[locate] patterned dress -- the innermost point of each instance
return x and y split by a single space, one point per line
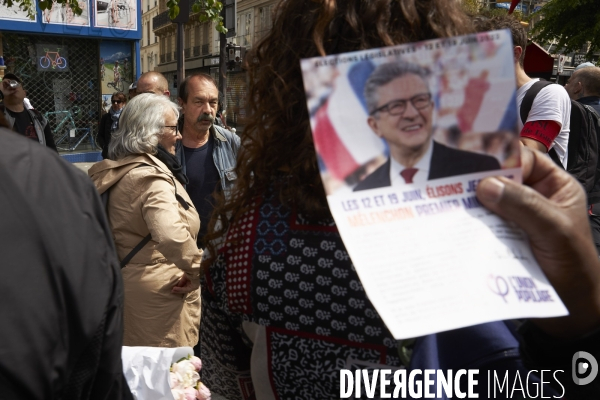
283 310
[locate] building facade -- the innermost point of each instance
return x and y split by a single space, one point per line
202 48
149 47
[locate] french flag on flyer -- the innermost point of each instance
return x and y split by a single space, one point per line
346 149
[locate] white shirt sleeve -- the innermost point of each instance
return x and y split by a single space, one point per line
553 104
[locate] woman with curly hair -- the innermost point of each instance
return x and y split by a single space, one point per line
283 310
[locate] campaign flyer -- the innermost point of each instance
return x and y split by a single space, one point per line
403 135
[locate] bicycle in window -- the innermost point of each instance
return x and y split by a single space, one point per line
67 136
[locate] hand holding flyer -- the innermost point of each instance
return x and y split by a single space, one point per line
404 134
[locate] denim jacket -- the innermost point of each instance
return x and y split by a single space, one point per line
224 155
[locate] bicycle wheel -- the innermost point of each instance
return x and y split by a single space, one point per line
44 62
120 86
95 139
62 137
61 63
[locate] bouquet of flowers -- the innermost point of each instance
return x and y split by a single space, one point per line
184 379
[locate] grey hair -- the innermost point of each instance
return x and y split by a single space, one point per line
384 74
141 126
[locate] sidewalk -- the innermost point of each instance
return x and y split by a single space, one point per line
84 166
82 159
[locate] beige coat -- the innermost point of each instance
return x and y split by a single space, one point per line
142 200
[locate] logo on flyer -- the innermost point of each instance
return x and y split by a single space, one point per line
499 286
524 288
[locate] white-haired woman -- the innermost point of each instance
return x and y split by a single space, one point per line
150 211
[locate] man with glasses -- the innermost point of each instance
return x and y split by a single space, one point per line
110 122
401 113
21 119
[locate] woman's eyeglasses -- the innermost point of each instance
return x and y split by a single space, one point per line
173 128
117 101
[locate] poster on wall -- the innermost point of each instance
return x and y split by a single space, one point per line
61 14
52 57
14 13
118 14
106 102
116 68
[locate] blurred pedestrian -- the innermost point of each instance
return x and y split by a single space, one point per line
546 127
110 122
61 292
153 82
22 119
584 87
132 90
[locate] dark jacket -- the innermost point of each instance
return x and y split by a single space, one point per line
593 101
445 162
104 134
42 127
593 193
61 293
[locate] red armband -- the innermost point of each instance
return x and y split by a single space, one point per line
543 131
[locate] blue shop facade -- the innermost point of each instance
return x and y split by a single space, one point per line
71 64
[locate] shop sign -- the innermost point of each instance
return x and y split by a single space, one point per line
211 61
51 57
579 59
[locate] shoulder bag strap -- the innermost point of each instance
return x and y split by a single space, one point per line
135 250
148 237
554 156
529 97
137 247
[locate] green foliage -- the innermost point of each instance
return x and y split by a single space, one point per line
474 7
471 7
210 11
573 23
29 5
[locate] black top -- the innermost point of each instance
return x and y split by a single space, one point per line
203 180
104 134
593 101
23 121
23 124
62 325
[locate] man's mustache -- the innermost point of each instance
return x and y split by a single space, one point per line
206 117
